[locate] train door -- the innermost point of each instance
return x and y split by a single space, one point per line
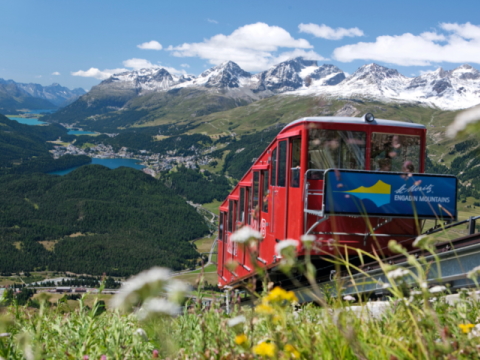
278 183
295 208
264 218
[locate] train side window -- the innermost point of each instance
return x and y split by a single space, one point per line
282 164
392 152
220 226
273 178
295 163
265 192
230 215
241 207
249 204
256 188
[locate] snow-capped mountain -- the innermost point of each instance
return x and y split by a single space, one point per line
56 94
225 75
448 90
144 80
454 89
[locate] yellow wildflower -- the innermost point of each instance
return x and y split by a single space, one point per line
241 339
280 295
264 349
466 327
290 350
277 319
264 309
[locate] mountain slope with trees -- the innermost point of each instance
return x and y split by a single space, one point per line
99 220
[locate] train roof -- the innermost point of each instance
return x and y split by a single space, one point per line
354 120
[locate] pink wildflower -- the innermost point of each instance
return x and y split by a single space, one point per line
155 353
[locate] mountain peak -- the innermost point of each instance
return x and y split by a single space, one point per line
226 75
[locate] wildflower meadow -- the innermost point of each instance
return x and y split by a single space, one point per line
150 318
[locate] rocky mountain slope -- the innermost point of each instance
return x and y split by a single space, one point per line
155 97
15 95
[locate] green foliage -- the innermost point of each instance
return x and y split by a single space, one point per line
182 145
99 109
187 182
130 221
24 148
243 151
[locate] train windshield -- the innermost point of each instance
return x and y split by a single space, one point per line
335 149
392 152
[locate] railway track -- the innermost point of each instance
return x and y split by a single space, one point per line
455 259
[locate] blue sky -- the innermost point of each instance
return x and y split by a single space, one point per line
79 43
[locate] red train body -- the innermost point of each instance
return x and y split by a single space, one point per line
281 194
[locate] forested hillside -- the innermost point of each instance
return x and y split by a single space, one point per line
195 186
24 148
94 220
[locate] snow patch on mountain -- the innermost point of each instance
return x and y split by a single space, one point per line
449 90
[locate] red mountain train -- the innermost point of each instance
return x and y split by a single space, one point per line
281 194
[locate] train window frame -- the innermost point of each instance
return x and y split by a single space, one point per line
241 206
282 163
256 202
248 209
221 226
273 172
230 216
390 160
265 190
340 143
295 161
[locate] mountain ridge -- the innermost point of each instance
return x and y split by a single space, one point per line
155 96
15 95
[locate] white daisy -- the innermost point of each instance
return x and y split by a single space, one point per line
158 306
437 289
148 283
288 244
245 235
397 273
236 321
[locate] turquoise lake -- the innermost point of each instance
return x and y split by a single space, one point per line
110 163
27 121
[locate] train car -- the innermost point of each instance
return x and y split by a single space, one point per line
282 194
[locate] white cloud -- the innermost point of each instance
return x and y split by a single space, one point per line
38 76
137 64
185 65
307 55
459 44
212 21
326 32
151 45
98 74
253 47
55 73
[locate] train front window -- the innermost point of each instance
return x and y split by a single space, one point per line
393 152
335 149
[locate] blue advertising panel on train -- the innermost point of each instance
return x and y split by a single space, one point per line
351 192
